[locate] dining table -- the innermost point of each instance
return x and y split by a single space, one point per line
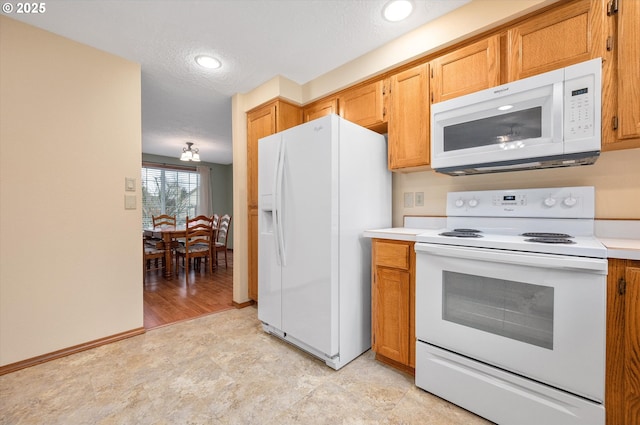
167 234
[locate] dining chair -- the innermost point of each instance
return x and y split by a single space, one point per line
163 220
222 238
152 253
198 243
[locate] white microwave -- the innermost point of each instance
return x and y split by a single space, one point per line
548 120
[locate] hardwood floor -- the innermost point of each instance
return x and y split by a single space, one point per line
170 301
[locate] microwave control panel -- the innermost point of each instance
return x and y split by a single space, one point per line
579 105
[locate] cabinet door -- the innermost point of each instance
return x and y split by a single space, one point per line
364 105
629 70
260 123
253 254
391 325
320 109
263 121
632 347
560 37
466 70
409 117
622 396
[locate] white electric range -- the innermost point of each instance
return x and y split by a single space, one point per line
510 306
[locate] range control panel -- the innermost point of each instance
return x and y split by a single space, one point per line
560 202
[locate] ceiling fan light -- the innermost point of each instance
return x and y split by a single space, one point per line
397 10
208 62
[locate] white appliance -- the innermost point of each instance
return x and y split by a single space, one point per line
548 120
511 325
320 185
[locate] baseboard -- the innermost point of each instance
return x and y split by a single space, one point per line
244 304
68 351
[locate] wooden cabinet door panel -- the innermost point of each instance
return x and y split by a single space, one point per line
632 347
364 105
253 254
409 117
466 70
561 37
391 326
622 389
320 109
263 121
629 69
260 123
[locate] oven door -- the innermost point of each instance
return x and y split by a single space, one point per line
541 316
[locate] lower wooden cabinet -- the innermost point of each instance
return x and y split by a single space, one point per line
622 395
393 301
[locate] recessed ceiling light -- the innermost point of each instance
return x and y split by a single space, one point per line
397 10
208 62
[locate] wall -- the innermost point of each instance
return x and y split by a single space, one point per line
615 176
473 18
70 255
221 185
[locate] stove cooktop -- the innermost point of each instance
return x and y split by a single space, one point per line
583 246
550 221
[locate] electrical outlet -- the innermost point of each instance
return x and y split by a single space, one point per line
408 199
419 199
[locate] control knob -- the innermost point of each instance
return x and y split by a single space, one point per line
473 203
549 202
459 203
570 201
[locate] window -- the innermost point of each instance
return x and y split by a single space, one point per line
168 191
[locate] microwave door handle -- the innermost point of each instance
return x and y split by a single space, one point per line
557 112
548 261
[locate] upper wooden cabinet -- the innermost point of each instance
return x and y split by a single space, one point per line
262 121
466 70
320 109
365 105
560 37
408 120
626 121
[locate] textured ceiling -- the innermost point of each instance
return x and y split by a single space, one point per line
256 40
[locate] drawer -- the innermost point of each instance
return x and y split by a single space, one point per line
392 254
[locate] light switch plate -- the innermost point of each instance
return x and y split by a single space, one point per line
130 184
129 202
408 199
419 199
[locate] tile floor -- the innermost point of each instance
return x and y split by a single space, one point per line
217 369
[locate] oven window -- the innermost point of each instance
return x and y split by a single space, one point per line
500 129
515 310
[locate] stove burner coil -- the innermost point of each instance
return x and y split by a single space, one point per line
557 240
546 235
467 230
461 234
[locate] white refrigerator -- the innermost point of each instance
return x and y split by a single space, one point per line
320 185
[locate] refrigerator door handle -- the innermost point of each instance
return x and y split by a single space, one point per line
278 231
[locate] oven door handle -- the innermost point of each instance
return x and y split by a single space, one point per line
549 261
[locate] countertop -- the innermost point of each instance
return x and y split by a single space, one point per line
395 233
